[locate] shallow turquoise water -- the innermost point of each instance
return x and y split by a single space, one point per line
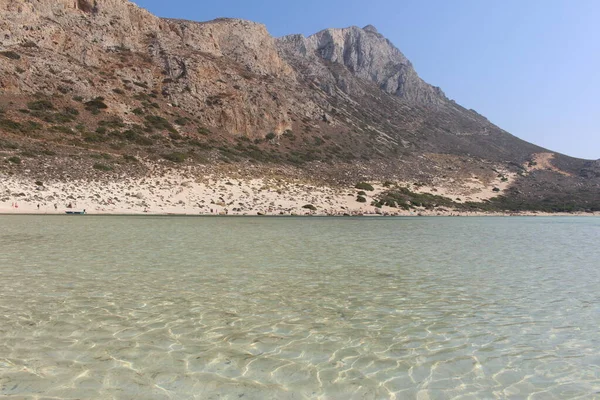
292 308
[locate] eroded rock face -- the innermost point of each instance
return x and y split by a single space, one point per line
72 26
368 55
210 69
248 43
233 76
591 169
229 72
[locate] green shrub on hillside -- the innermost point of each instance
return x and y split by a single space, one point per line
94 137
289 135
318 141
175 157
181 121
129 158
102 167
175 136
404 198
40 105
4 144
113 122
204 131
11 55
71 111
364 186
160 123
95 105
10 125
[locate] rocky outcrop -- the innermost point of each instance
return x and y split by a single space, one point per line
76 27
210 69
229 72
245 42
367 55
591 169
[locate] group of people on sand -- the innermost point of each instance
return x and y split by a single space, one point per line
39 206
16 205
55 207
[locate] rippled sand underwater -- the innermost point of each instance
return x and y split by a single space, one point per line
292 308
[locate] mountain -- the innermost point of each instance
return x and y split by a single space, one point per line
87 78
367 55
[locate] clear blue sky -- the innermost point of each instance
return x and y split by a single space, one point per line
531 66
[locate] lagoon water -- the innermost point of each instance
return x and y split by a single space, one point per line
299 308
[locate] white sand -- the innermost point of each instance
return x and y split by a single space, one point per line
470 190
177 194
191 192
543 161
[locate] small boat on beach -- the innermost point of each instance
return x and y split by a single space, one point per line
75 212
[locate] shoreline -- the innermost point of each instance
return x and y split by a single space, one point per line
314 215
193 193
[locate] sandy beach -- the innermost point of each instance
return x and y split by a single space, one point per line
194 192
174 193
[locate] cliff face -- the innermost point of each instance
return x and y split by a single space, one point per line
204 68
75 28
230 73
365 53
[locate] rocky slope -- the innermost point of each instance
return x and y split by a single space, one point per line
90 87
367 55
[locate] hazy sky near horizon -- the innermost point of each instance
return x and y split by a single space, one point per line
531 66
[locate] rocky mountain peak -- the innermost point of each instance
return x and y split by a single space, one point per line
370 28
366 54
